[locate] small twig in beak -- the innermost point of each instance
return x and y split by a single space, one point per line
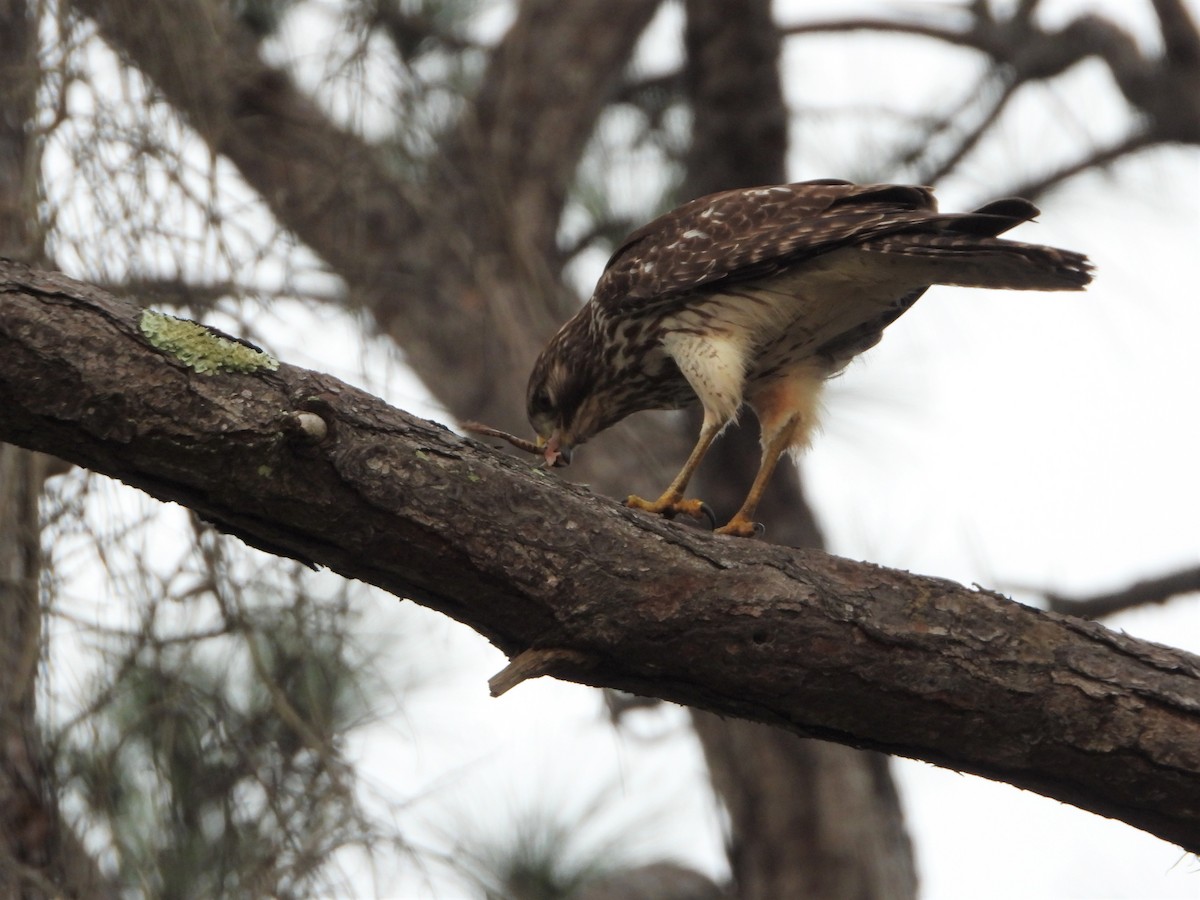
489 431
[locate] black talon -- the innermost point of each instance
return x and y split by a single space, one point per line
759 529
706 511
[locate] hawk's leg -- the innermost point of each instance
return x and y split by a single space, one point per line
742 524
671 503
714 363
787 409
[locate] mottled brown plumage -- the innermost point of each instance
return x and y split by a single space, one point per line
756 297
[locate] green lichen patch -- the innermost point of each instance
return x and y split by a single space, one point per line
201 348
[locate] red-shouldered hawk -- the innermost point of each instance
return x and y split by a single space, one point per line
756 297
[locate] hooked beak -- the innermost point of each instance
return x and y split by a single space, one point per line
555 452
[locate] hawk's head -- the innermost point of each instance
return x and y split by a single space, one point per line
574 392
556 402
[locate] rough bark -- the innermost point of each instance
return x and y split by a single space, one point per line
807 819
607 596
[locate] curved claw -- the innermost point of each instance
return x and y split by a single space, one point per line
741 527
707 512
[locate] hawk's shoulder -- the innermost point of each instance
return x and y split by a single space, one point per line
750 233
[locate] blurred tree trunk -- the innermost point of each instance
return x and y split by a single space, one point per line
26 802
39 855
807 818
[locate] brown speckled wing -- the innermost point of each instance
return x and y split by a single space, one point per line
752 233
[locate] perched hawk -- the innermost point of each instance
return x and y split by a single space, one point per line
756 297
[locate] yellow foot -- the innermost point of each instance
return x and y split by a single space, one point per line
741 527
671 506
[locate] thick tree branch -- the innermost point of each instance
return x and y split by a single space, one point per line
1181 38
1094 159
1140 593
826 647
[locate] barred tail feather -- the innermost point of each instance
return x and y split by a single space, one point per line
989 262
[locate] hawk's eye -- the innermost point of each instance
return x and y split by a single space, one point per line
541 403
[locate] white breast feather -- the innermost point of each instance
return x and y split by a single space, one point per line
715 367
